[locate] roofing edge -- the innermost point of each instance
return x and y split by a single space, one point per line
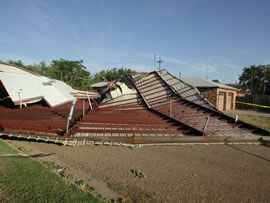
24 69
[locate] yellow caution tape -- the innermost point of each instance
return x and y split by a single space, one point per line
253 104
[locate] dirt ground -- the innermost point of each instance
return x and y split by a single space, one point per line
189 173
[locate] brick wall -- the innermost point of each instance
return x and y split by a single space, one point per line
210 94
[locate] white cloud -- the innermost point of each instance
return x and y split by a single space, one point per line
115 60
207 68
244 52
4 37
228 65
266 62
139 67
177 61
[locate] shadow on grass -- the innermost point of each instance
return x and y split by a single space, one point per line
24 156
249 153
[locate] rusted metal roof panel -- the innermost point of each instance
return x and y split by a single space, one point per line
174 98
155 107
38 118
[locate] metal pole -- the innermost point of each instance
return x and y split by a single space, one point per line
70 114
159 63
251 91
83 107
264 88
155 60
236 119
206 124
170 107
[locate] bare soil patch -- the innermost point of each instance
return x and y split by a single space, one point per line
218 173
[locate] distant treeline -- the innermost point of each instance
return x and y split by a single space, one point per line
254 80
74 73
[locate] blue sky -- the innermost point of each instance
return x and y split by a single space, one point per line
191 36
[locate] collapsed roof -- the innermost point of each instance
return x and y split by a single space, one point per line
25 87
141 108
157 107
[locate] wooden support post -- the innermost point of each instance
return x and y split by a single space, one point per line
89 100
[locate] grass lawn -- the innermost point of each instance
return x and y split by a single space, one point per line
22 179
259 121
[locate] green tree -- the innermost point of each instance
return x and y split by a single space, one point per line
111 74
73 73
17 63
216 80
235 85
36 68
43 68
252 78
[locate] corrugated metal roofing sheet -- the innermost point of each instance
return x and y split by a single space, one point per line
162 109
185 104
29 88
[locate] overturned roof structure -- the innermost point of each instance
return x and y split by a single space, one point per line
144 108
24 87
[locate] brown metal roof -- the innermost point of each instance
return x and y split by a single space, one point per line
163 109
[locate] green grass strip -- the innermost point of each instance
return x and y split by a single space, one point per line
259 121
23 179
